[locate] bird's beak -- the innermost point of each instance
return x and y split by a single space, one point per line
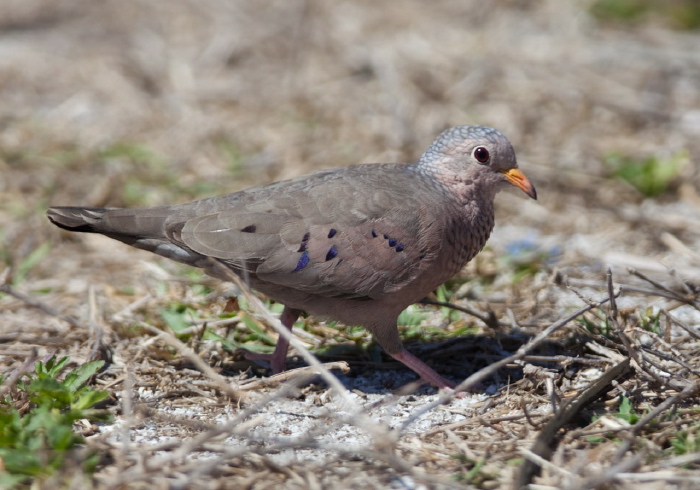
518 179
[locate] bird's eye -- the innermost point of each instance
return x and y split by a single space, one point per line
481 154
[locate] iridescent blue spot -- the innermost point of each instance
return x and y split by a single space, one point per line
386 237
307 235
332 233
303 261
392 242
302 247
399 247
374 234
331 253
249 229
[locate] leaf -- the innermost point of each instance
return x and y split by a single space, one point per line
89 399
79 376
174 319
255 328
30 261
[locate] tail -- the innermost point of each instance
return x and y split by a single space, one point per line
84 220
126 225
143 228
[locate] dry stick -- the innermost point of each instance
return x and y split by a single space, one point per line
258 305
14 376
611 474
95 327
255 383
236 426
680 324
641 361
668 357
479 420
128 414
673 294
192 356
689 390
572 281
566 360
612 318
490 320
6 288
543 445
491 369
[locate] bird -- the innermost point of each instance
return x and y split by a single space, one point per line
356 244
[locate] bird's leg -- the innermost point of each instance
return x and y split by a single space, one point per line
278 359
426 373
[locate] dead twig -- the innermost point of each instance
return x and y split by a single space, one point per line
489 319
484 373
195 359
545 442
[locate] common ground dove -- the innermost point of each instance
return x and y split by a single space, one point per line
356 244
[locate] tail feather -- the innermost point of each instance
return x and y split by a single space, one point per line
143 228
126 225
83 220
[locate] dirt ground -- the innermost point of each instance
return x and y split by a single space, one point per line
136 103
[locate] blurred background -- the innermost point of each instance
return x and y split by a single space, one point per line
145 102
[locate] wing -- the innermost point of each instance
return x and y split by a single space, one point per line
335 234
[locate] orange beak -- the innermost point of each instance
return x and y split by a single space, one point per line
518 179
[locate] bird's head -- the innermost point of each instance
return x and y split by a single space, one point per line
474 161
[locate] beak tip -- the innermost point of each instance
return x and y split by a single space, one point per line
518 179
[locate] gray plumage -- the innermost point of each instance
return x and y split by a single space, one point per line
356 244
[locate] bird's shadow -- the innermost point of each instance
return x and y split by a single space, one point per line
455 359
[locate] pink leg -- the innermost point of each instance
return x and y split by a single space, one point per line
426 373
278 359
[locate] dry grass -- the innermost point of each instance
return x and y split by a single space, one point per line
128 103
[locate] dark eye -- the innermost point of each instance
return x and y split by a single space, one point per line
481 154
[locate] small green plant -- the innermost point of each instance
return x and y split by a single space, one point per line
627 412
475 475
650 321
411 316
178 317
29 262
443 295
527 257
652 176
620 10
677 14
686 442
36 441
595 325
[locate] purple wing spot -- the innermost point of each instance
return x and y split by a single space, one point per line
249 229
331 253
392 242
302 247
332 233
303 261
374 234
386 237
339 261
307 235
399 247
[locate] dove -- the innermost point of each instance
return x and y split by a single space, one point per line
356 244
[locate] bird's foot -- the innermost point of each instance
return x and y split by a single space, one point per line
277 360
426 373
